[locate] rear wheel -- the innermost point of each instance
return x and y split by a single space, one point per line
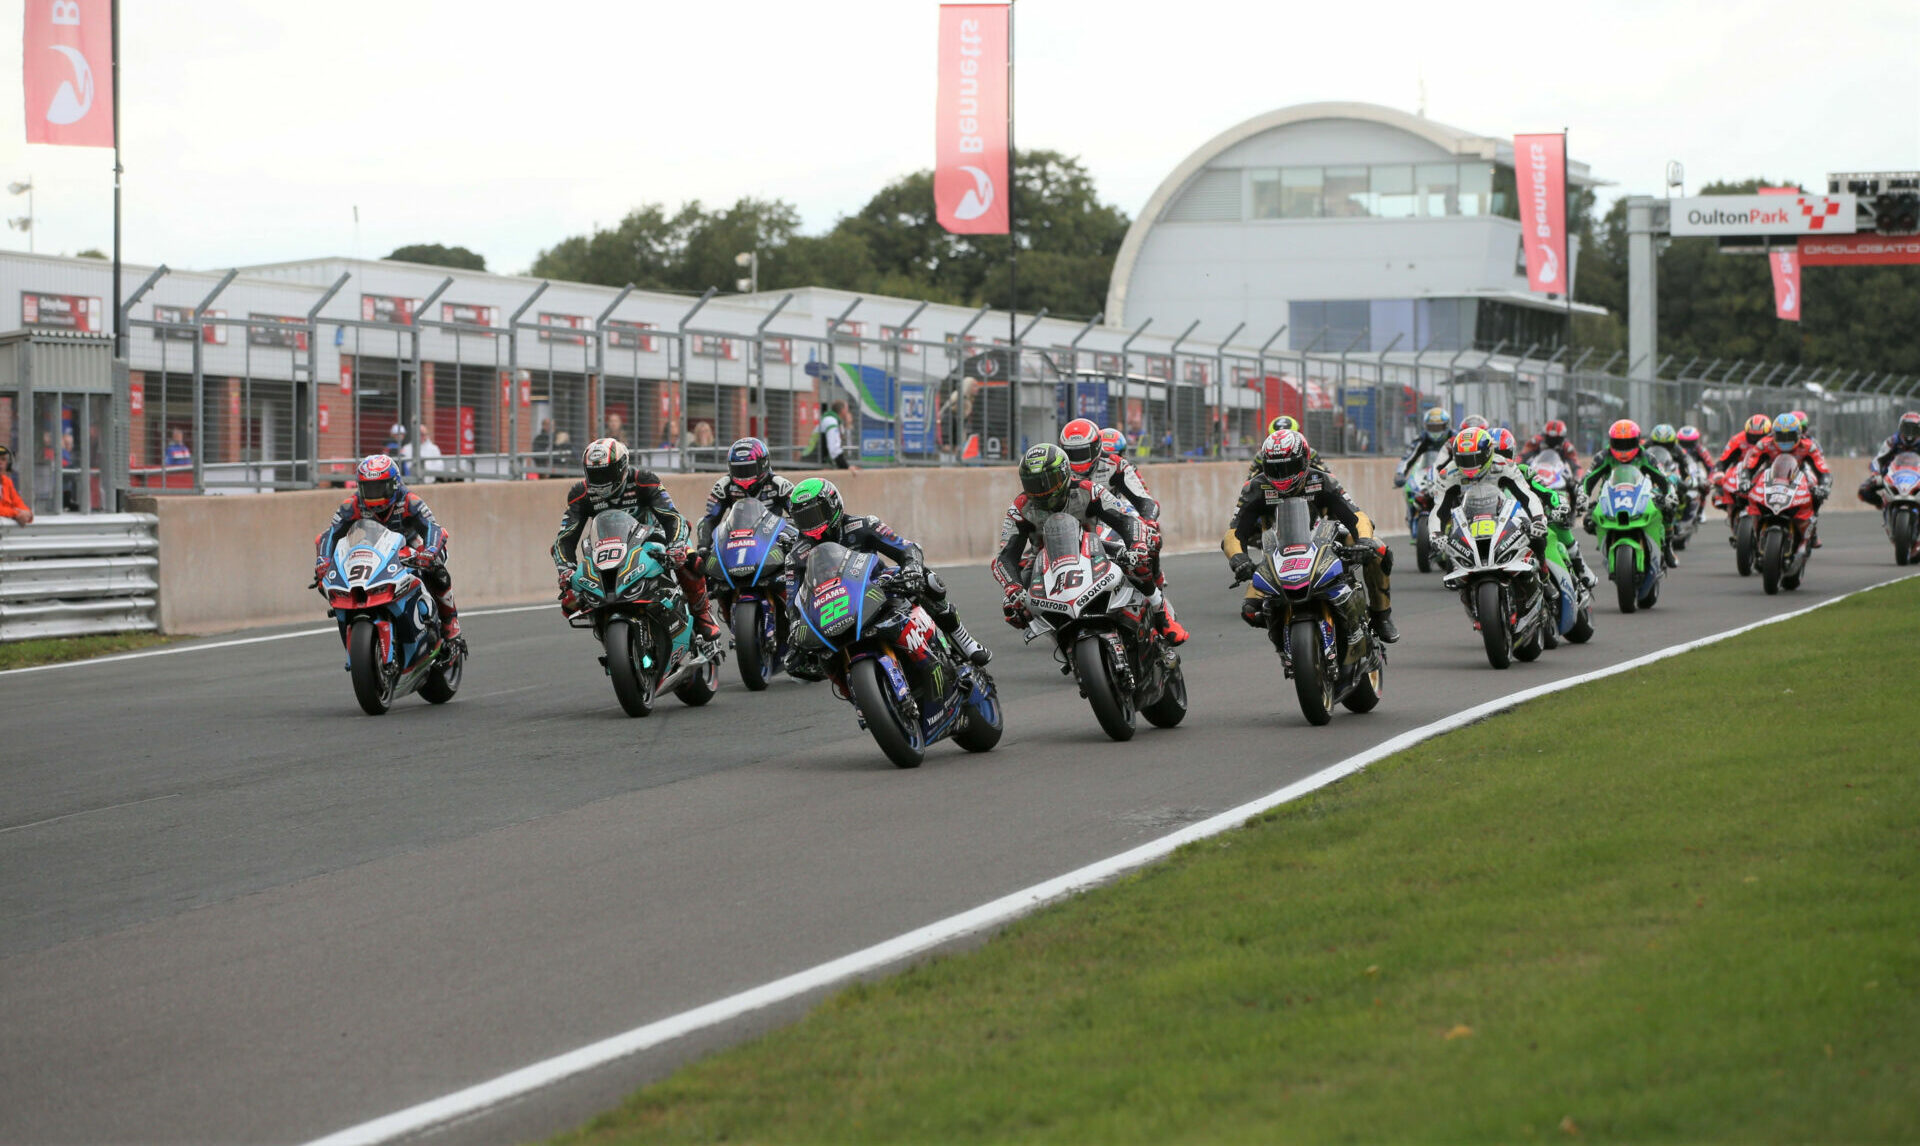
1773 557
1582 630
1171 708
984 722
1626 576
443 680
700 688
1530 649
1743 546
1366 695
626 642
1113 710
901 744
1495 632
1422 546
369 676
1311 679
1903 537
749 646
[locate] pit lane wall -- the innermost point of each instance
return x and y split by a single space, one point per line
236 562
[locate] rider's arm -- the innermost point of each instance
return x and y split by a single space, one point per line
579 510
875 536
1443 503
1134 488
433 539
1006 563
1335 503
716 506
330 536
1109 510
1818 460
654 496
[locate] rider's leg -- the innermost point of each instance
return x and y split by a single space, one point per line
439 582
1378 575
694 585
948 618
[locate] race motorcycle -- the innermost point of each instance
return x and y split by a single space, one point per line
1782 509
909 686
743 573
626 594
1316 614
1419 491
1692 489
1740 523
1900 490
388 621
1103 631
1624 514
1493 570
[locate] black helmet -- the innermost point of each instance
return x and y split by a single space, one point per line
1046 475
817 511
749 464
606 464
1910 428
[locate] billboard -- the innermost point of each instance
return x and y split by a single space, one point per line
1540 165
624 335
1860 251
387 308
68 72
278 330
571 321
971 128
1762 215
1786 284
470 314
72 313
181 317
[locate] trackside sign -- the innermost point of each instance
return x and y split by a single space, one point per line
1763 215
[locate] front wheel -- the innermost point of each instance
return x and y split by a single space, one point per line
901 744
1171 708
1743 546
1113 710
632 683
1422 546
1495 632
1773 559
756 662
983 722
1903 536
1312 680
1626 577
369 675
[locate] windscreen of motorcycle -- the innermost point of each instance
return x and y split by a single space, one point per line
745 536
610 535
835 593
1551 469
1903 473
364 550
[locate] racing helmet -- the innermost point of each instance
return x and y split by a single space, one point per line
1909 432
1113 442
1806 422
1663 435
1472 453
1788 429
1688 436
1046 475
1283 460
1473 422
749 463
1554 434
1504 443
605 463
1283 422
378 482
1623 440
1758 426
1080 439
817 511
1436 425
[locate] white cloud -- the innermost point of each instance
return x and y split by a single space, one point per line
253 129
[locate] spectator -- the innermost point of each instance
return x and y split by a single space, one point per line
430 456
617 428
177 453
543 441
703 435
561 456
833 436
12 505
670 435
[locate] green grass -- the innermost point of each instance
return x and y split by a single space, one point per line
1681 904
52 650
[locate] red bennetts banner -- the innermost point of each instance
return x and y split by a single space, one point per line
1786 284
1860 251
1540 162
970 135
69 72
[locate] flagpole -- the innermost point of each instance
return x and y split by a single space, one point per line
1566 210
1013 249
119 336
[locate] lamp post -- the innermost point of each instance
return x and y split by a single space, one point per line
748 261
24 222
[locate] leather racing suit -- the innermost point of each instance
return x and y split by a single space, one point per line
1254 510
641 495
406 514
871 535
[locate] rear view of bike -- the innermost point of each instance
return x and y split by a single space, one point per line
388 622
1316 614
626 594
743 573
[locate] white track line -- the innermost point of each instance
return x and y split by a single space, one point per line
506 1087
197 648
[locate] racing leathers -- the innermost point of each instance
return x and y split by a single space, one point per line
1665 494
1091 505
640 494
1561 507
872 535
1893 447
1422 446
774 490
1807 451
1254 511
1538 444
408 515
1450 491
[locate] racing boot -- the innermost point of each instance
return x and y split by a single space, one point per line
976 653
1167 623
1253 610
1580 567
1667 558
695 587
449 616
1384 628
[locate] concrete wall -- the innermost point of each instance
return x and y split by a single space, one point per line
233 562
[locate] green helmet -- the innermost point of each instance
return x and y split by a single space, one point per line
1664 435
1046 475
816 507
1283 422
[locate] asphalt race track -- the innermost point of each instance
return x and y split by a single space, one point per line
232 908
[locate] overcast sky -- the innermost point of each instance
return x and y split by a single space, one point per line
252 129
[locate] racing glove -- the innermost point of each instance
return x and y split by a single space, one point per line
1586 523
1142 554
677 555
913 576
1242 567
1399 480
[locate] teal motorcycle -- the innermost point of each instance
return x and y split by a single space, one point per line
1631 527
624 591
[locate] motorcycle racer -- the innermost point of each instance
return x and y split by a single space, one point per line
1789 438
1085 446
1744 439
749 474
380 495
1561 507
1689 439
1289 422
819 517
1552 436
1286 472
611 482
1048 486
1435 431
1664 441
1906 439
1624 452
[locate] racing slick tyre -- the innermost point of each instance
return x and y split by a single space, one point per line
901 744
700 688
1582 630
1903 529
749 644
632 683
1422 547
1113 710
1773 557
1171 708
984 722
1311 680
369 681
1743 546
443 680
1495 632
1626 572
1366 695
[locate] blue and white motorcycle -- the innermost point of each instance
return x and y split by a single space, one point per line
388 621
1316 613
743 575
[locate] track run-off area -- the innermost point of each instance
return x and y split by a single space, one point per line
232 908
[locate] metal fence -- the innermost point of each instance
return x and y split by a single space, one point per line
462 395
70 574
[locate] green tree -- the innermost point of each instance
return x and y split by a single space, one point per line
437 255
